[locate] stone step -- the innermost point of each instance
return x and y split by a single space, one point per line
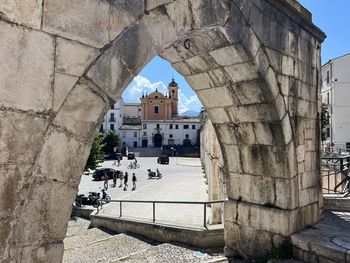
169 253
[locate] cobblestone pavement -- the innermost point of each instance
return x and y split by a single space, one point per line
182 181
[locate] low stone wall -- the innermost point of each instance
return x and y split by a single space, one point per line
212 237
83 212
337 203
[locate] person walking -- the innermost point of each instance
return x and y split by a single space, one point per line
114 179
133 179
121 177
126 181
106 178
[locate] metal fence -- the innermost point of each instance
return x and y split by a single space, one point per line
155 204
335 173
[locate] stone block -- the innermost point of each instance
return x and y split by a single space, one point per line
63 84
151 4
275 59
249 92
219 77
176 53
5 234
252 113
135 47
28 70
20 137
161 28
242 72
57 159
249 188
210 99
26 13
273 88
308 196
45 253
237 134
264 133
288 65
309 215
265 160
45 212
286 193
11 183
230 55
247 241
72 57
209 12
183 68
180 14
218 116
287 130
232 157
201 63
308 180
200 81
111 74
82 111
86 21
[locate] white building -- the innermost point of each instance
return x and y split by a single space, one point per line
113 120
336 94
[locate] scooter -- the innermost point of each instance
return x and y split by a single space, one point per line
92 199
155 174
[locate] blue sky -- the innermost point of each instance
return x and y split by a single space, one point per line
331 16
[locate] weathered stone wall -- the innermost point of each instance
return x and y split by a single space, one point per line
254 65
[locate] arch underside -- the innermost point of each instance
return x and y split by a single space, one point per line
254 69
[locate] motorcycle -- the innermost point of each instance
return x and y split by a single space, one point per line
93 199
155 174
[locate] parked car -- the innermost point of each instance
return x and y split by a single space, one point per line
110 156
163 159
131 156
99 174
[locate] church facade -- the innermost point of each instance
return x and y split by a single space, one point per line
155 121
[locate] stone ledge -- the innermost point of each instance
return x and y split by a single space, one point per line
336 203
202 238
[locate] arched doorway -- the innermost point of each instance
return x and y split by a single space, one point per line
254 66
157 140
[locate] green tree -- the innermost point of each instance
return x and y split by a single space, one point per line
110 141
96 154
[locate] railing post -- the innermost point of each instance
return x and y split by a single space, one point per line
120 209
154 212
205 215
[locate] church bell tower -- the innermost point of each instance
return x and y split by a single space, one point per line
173 89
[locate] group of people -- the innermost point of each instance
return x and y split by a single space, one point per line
124 177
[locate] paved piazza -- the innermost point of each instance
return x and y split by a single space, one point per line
183 180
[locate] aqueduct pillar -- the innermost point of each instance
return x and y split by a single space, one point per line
255 65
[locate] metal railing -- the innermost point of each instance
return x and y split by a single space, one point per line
204 204
335 173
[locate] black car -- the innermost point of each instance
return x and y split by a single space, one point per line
131 156
99 174
163 159
110 156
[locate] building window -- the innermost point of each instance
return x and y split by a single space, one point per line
144 126
139 109
135 134
158 126
111 126
156 109
112 117
170 126
124 143
173 91
186 127
193 127
112 106
124 134
327 76
170 136
156 97
187 136
144 133
327 97
176 127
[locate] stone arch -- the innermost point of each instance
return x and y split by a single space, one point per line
237 68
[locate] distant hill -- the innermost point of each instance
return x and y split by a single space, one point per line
190 113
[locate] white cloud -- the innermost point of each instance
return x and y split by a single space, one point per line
141 85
